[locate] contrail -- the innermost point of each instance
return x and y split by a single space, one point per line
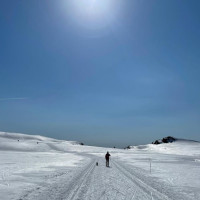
13 98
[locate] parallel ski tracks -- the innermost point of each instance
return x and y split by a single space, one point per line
141 186
66 189
80 184
91 182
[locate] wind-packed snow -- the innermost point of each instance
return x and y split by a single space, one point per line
40 168
180 147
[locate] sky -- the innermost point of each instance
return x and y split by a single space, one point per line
103 72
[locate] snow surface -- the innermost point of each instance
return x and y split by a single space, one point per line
41 168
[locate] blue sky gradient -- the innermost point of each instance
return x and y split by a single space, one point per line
126 72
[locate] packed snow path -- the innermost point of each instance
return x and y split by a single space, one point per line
39 168
90 182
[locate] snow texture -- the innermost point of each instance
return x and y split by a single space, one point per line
41 168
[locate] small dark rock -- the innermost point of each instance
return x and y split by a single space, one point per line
156 142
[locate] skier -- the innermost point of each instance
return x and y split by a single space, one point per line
107 159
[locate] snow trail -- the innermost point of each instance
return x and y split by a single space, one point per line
98 182
35 167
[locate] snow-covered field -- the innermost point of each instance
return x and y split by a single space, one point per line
40 168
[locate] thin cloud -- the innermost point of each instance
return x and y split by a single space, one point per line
13 98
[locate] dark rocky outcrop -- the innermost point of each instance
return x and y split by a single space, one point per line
168 139
128 147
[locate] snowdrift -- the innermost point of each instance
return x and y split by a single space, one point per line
178 147
35 143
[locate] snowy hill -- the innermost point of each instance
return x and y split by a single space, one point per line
35 143
177 147
36 168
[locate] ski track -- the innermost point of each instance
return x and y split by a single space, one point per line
140 185
150 184
91 182
65 185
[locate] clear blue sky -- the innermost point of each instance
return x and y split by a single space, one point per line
105 72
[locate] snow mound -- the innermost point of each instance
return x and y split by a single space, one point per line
20 136
178 147
34 143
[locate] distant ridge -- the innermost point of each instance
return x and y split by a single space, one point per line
33 143
171 145
170 139
16 136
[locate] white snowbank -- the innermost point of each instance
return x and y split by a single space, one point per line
179 147
34 163
34 143
28 160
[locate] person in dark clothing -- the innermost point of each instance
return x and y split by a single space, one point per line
107 156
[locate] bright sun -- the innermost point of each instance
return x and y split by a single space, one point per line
93 8
95 14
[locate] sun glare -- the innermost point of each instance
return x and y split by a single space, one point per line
93 8
94 14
